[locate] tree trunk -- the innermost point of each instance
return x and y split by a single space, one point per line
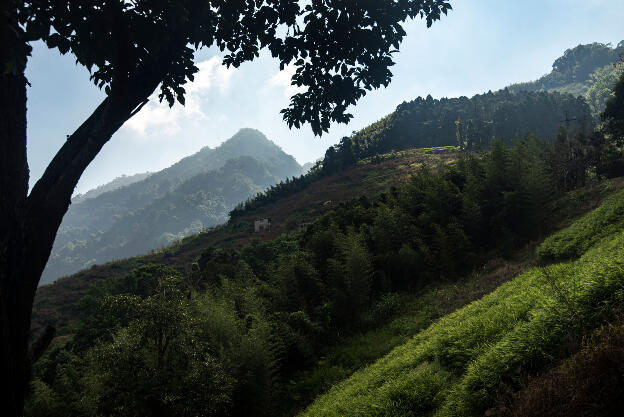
28 223
16 294
15 309
27 232
21 256
28 227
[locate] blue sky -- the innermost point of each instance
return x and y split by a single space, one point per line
482 45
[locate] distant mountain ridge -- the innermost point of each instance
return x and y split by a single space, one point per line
579 71
196 192
247 142
118 182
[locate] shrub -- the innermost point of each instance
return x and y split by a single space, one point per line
518 329
386 308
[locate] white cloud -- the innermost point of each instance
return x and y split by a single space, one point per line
282 80
158 117
211 73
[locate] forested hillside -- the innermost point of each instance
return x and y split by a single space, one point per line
578 88
251 327
191 195
118 182
586 70
439 281
470 124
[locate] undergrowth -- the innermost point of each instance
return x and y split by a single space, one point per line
579 237
417 312
454 367
590 383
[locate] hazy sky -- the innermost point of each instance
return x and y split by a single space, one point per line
481 45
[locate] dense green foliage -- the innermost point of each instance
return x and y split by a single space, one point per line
159 352
455 367
573 71
603 81
613 115
469 123
193 194
267 311
613 129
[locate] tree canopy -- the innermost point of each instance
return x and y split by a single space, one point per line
340 49
613 115
574 70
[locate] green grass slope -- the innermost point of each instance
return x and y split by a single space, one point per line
417 312
455 366
576 239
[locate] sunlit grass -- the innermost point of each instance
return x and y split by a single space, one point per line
418 311
454 367
572 242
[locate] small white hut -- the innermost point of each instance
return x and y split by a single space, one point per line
263 225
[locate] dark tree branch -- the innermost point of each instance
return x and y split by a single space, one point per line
51 196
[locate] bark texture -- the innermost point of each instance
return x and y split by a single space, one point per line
15 289
28 223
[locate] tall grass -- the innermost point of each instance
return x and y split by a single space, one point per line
590 383
572 242
417 312
454 367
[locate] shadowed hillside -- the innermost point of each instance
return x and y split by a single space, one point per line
118 182
55 302
195 193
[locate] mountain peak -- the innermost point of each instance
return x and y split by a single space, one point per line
248 137
252 142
